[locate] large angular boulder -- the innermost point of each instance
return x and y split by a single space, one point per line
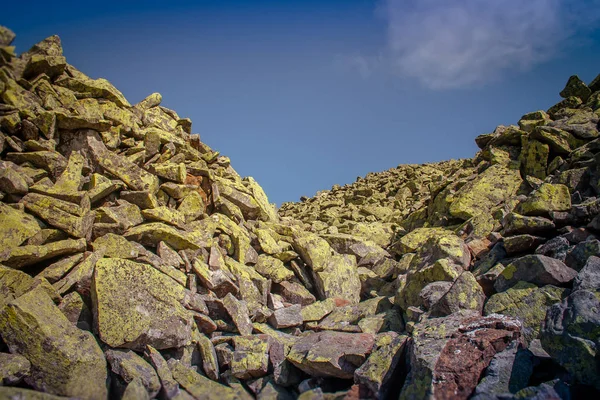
489 189
331 354
571 334
64 360
335 275
537 269
526 302
447 355
136 305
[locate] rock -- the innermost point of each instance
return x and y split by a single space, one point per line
570 335
557 247
534 158
548 197
331 354
251 356
508 372
170 388
295 293
518 224
209 357
12 182
485 192
441 270
197 385
28 255
448 355
588 277
464 294
6 36
151 234
131 367
526 302
286 317
575 87
335 275
135 305
135 390
117 246
20 393
414 240
238 311
537 269
272 268
75 220
318 310
15 227
378 371
521 243
64 360
578 256
13 367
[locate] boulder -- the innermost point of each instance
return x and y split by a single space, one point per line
377 373
65 361
571 333
136 305
447 355
527 303
331 354
130 367
537 269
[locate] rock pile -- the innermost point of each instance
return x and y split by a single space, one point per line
136 263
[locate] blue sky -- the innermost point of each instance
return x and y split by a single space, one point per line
306 94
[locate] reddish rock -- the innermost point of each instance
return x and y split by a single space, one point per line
469 352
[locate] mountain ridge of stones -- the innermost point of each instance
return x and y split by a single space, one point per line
136 263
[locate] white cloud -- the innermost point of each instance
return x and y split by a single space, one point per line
457 43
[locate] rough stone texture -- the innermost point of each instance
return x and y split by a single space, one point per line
447 355
377 372
135 305
131 367
13 367
64 360
329 353
571 333
536 269
526 302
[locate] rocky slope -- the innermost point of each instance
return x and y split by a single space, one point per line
136 263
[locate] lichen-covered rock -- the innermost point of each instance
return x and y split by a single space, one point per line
571 333
464 294
286 317
526 302
588 278
64 360
495 185
447 355
331 354
129 367
335 275
13 367
199 386
548 197
377 373
577 88
136 305
441 270
238 311
537 269
251 356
